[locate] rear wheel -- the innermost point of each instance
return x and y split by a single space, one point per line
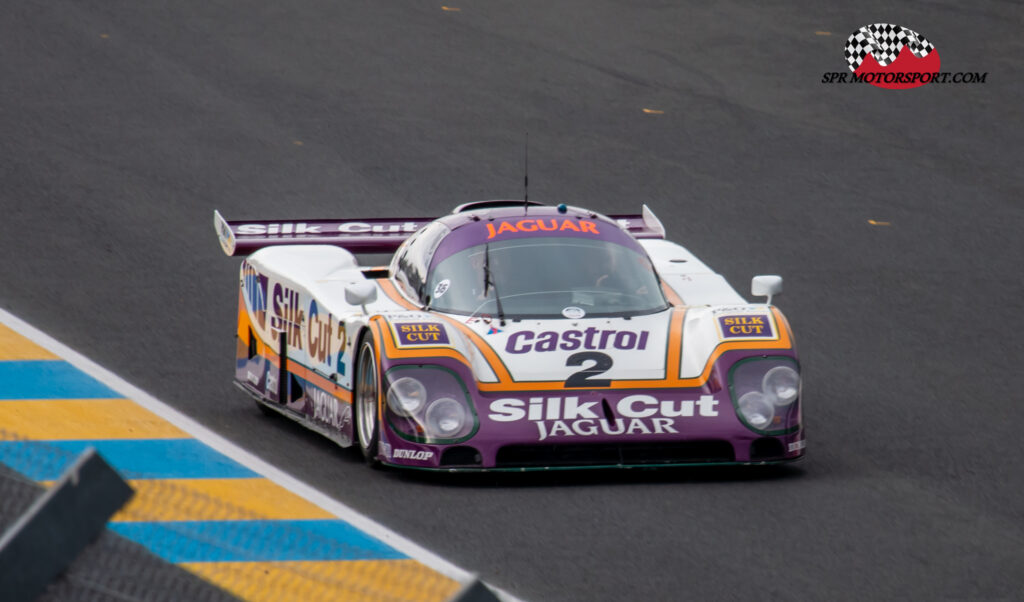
367 400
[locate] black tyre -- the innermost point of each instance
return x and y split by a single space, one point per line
365 401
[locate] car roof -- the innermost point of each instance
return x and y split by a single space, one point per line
471 213
495 221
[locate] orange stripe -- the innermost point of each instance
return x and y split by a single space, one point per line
493 359
485 350
392 292
324 383
671 294
392 351
783 324
675 349
675 343
673 361
305 373
673 358
267 352
375 326
243 319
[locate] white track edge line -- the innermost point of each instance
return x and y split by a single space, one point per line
243 457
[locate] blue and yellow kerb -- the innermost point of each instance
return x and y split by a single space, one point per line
193 505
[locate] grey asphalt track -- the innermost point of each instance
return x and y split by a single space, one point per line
124 124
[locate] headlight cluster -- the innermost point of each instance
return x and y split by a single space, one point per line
765 392
429 405
406 396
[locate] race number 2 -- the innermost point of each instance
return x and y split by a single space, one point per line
602 362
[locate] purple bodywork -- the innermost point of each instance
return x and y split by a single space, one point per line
578 428
542 429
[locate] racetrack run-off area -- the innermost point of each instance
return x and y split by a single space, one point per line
893 215
199 503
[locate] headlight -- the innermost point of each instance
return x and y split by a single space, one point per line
781 385
445 418
765 392
406 396
429 404
756 410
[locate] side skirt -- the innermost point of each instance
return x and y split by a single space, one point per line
332 434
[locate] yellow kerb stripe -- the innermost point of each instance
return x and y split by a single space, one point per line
215 499
349 580
13 346
54 419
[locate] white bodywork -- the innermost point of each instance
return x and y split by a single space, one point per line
304 297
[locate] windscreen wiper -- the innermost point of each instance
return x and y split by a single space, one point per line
488 282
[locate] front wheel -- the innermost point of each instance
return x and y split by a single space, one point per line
367 401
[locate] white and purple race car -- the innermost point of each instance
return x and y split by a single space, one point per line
511 335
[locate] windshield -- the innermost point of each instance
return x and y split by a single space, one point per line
546 278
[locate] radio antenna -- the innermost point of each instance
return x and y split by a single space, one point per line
526 176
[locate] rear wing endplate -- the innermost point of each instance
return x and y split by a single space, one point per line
375 235
645 225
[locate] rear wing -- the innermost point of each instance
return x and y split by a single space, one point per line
375 235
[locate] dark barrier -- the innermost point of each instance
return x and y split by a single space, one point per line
41 544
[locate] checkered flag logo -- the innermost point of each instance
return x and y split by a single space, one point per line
884 42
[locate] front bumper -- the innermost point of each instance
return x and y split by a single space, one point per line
599 429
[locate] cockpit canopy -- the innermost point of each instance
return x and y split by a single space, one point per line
544 264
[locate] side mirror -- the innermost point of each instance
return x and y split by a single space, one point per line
361 293
766 286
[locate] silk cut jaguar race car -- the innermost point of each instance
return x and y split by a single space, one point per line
511 335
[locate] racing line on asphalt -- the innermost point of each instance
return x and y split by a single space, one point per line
200 501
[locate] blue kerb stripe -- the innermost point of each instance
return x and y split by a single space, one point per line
256 540
133 458
49 379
